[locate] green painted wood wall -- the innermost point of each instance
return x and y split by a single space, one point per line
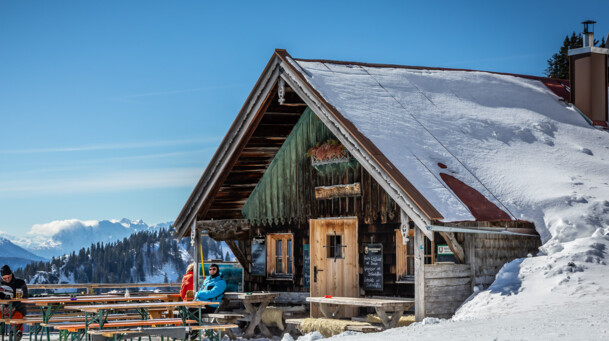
285 194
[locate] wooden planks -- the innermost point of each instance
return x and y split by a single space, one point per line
335 276
419 275
91 299
338 191
447 286
388 304
126 306
489 252
225 229
118 324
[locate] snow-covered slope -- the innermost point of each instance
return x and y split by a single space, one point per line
515 142
64 236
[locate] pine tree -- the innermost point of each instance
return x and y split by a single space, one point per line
558 65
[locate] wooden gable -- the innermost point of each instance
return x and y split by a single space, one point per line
286 191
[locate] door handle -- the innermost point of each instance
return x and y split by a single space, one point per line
315 270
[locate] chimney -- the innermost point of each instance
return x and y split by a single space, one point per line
588 76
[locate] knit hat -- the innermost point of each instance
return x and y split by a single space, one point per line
5 270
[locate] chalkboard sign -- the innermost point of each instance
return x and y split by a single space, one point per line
306 271
259 257
373 267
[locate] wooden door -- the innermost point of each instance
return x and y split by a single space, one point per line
334 261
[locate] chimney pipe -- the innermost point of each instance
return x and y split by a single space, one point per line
588 77
588 36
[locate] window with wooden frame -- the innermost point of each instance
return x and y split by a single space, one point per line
280 255
405 256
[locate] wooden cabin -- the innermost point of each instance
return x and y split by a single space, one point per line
310 199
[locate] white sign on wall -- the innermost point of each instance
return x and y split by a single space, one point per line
444 250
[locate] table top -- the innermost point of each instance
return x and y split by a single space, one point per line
251 297
363 301
127 306
90 299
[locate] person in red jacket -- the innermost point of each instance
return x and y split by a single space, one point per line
187 281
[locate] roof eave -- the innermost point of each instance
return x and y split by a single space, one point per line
228 148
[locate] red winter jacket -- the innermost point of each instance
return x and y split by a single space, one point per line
187 282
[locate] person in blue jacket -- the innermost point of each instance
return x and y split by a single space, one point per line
213 289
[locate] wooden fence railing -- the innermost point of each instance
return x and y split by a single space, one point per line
91 286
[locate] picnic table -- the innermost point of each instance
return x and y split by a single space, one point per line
49 305
255 303
381 305
95 315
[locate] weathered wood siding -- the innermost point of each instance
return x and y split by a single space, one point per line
487 253
286 193
447 286
284 201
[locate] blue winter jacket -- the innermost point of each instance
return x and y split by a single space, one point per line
212 290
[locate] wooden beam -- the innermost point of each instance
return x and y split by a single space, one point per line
239 254
196 243
419 275
225 229
338 191
454 246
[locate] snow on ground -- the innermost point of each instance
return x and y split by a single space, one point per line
533 156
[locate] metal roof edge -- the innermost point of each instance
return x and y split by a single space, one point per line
437 228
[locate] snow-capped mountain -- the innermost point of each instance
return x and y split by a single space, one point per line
144 257
64 236
14 255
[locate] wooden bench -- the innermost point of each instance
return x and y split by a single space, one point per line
226 318
180 332
38 325
75 318
75 327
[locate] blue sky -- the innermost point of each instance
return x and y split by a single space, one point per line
112 109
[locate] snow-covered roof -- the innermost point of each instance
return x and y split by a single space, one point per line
507 137
458 145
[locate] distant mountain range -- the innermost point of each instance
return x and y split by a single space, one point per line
15 256
151 256
64 236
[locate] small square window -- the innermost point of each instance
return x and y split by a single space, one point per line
280 258
334 245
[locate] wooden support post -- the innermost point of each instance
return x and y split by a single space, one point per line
454 246
234 247
419 274
196 257
471 238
